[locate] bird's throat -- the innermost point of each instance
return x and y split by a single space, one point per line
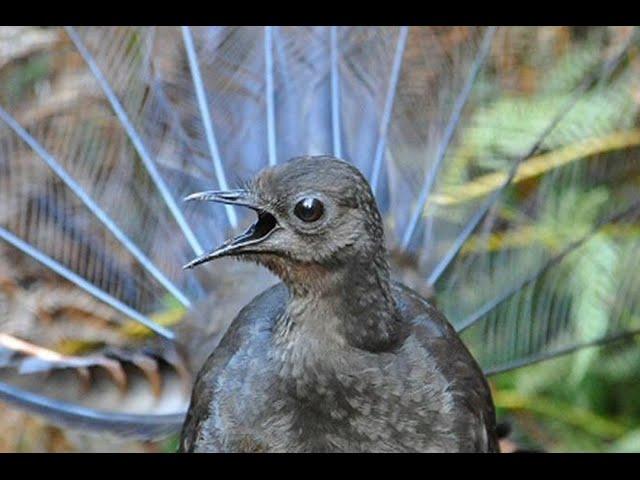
351 304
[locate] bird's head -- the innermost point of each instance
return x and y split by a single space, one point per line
313 212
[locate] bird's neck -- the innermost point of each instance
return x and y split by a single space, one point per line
350 303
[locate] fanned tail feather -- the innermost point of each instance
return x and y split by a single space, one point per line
67 414
477 168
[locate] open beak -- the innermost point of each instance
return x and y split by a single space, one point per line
246 242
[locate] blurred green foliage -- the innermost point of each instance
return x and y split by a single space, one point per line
589 400
560 405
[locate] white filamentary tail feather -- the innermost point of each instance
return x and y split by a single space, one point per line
469 164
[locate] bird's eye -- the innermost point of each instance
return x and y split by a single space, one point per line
309 209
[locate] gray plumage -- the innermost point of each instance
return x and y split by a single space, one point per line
337 357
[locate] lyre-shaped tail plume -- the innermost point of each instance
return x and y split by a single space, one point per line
481 147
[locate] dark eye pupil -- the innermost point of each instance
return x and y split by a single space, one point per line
309 209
